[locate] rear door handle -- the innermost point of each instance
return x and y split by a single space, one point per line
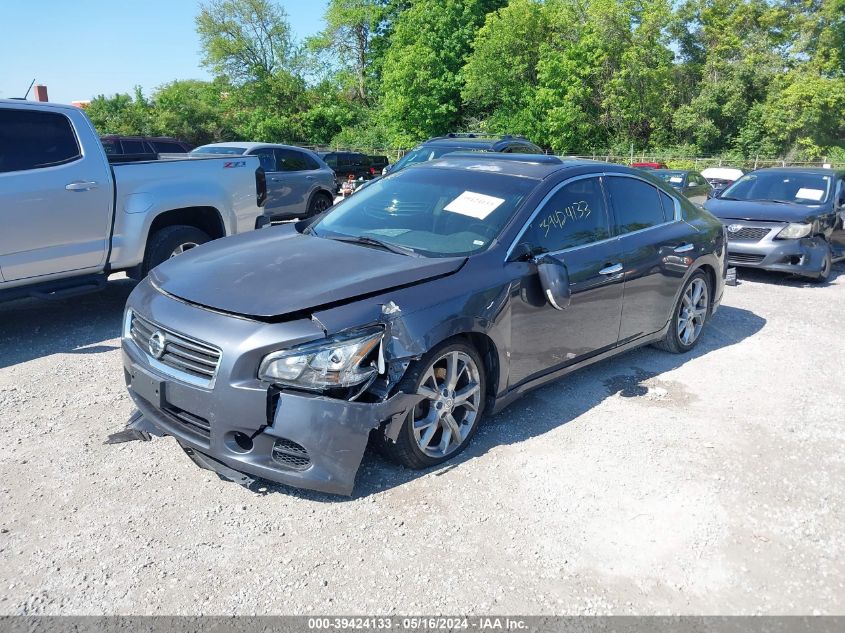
684 248
611 270
81 186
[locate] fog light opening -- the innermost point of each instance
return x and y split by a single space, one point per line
239 442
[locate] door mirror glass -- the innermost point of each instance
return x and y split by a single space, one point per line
554 279
387 169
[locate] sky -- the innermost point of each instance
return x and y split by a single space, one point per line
82 48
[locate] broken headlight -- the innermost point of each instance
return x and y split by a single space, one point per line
342 361
795 231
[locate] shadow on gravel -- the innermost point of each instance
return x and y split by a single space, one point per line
30 329
788 280
551 406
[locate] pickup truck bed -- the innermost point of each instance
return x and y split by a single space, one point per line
69 216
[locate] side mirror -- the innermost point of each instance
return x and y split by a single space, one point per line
554 278
386 170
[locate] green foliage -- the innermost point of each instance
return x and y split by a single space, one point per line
421 89
741 78
244 40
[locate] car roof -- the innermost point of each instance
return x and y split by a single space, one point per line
474 140
820 171
247 146
536 166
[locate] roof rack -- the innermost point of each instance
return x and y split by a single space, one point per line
503 137
539 159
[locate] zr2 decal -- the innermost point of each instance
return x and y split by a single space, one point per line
233 164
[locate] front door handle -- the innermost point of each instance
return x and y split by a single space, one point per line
684 248
81 186
611 270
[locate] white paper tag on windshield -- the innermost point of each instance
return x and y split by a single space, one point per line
676 179
475 205
810 194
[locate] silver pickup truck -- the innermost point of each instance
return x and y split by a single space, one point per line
68 219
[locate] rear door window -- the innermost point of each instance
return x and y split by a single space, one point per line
267 157
636 204
31 139
132 147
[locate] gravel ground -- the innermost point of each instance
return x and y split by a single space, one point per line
648 484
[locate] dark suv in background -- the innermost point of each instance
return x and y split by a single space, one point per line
347 164
464 142
128 149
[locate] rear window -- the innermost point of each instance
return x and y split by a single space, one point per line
167 147
32 139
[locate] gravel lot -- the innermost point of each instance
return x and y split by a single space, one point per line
652 483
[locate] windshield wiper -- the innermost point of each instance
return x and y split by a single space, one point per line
773 200
366 240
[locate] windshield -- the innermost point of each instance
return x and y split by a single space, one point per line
423 154
674 178
779 186
213 149
435 212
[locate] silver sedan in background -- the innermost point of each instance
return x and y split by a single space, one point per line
299 183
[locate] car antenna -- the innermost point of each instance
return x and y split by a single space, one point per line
26 94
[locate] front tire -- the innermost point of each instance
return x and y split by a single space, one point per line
689 316
451 377
169 242
827 267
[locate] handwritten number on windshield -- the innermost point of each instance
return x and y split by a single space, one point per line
577 211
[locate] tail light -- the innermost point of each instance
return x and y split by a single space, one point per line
372 171
260 186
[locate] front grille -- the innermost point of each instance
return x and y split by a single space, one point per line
745 258
291 455
749 233
185 355
188 421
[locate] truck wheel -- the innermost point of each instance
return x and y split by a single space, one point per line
170 242
451 377
319 203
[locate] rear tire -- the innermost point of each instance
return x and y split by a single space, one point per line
171 241
689 316
454 406
319 203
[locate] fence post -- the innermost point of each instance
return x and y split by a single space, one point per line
756 158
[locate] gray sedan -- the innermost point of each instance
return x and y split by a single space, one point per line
299 183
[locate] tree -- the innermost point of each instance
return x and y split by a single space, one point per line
500 76
421 93
121 114
194 111
350 25
245 40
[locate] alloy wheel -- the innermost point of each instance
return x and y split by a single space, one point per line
693 312
452 389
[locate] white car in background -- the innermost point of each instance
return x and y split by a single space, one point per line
720 178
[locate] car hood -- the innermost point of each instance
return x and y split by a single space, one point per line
275 272
763 211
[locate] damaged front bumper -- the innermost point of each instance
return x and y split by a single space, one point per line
238 424
803 256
